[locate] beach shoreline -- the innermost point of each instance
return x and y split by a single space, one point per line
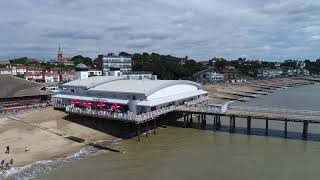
43 132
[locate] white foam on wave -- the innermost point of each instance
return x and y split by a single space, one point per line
41 167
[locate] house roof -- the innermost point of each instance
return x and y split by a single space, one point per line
17 87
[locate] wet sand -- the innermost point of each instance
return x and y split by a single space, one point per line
45 143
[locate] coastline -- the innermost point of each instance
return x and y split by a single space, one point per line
43 132
48 146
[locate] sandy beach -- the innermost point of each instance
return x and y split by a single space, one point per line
45 143
221 93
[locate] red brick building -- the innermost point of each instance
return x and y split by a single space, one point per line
229 72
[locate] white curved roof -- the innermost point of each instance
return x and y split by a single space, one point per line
92 81
145 87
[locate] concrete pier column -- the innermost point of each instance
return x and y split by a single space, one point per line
249 125
234 124
154 126
230 126
305 130
218 122
138 132
214 122
267 126
187 122
191 120
147 129
199 120
184 121
285 128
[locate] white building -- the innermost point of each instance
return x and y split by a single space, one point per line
6 71
94 72
112 62
47 77
132 95
214 76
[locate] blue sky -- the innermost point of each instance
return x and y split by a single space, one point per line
201 29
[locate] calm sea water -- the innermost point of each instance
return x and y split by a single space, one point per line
177 153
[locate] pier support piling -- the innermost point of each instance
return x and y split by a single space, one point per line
267 126
138 132
249 125
305 130
184 121
231 124
218 122
285 128
147 129
154 126
191 121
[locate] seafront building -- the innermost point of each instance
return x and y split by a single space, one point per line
111 62
125 95
19 94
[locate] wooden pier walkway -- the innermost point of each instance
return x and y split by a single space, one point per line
249 113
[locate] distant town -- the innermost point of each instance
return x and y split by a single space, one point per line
61 69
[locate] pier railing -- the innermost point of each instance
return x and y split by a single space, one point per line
120 116
203 109
196 101
276 110
60 105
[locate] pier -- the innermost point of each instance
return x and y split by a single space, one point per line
250 113
198 111
194 112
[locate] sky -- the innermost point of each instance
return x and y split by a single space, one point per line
272 30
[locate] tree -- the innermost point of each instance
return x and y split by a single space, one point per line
22 60
165 66
84 60
124 54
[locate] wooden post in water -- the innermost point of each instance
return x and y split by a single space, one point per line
154 126
285 128
267 126
305 130
199 125
184 121
249 125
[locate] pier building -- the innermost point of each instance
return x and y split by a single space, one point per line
125 97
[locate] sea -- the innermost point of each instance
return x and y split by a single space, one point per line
190 153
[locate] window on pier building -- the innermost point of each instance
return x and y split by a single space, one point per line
72 90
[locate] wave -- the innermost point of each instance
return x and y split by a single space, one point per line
41 167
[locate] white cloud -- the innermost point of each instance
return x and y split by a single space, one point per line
201 29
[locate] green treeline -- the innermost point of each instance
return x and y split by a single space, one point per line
165 66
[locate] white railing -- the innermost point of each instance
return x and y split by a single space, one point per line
204 109
276 110
196 101
122 116
60 105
